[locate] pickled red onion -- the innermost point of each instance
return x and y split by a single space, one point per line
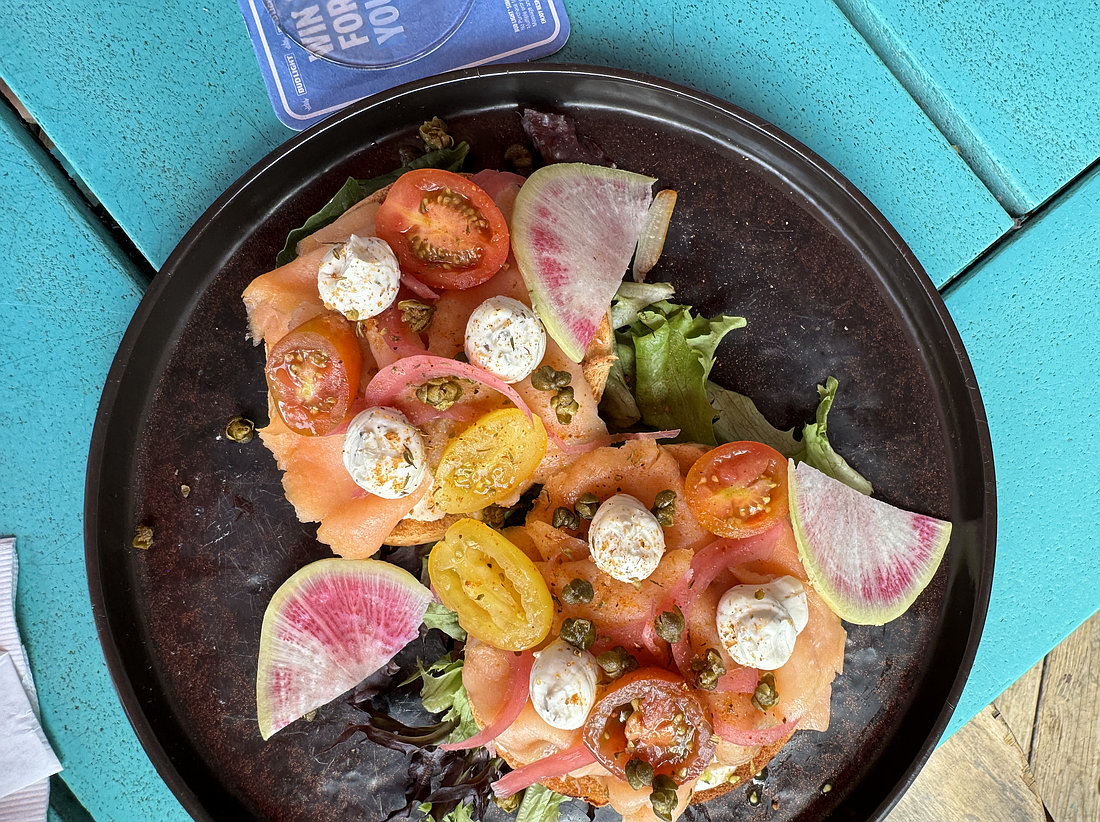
515 698
749 737
418 288
552 766
740 680
387 386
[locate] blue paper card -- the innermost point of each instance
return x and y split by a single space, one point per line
317 56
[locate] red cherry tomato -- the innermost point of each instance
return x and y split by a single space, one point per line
652 715
313 374
443 228
738 489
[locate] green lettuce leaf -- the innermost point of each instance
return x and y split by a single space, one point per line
673 356
618 406
443 692
463 812
816 450
441 617
739 419
354 190
632 297
539 805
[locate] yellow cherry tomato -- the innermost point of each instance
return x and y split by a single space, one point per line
488 461
496 590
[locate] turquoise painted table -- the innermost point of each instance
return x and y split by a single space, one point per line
971 129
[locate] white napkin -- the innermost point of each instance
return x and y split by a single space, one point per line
26 758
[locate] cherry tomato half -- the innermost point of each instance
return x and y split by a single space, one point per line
738 489
498 593
313 374
443 228
488 461
653 715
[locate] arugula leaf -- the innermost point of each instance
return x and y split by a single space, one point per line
816 450
539 804
442 692
441 617
739 419
674 353
353 191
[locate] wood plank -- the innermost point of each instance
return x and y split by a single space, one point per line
1028 317
1019 704
61 320
978 775
164 106
1066 753
1007 82
801 65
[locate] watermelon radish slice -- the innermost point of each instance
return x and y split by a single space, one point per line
574 230
867 559
329 627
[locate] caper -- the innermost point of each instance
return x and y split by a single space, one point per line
509 803
416 315
546 378
143 537
494 515
566 518
564 405
616 662
707 669
520 157
664 507
587 505
439 392
765 696
435 136
639 774
577 592
240 429
580 633
664 798
669 625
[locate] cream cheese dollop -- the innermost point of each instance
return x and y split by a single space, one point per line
563 685
758 624
506 338
359 278
626 540
384 454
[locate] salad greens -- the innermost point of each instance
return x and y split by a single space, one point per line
739 419
442 692
539 805
353 191
665 356
818 453
441 617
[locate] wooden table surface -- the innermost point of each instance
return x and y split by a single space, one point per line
973 130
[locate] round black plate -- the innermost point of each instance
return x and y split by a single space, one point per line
763 229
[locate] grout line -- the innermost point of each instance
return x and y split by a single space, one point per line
142 266
1035 720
